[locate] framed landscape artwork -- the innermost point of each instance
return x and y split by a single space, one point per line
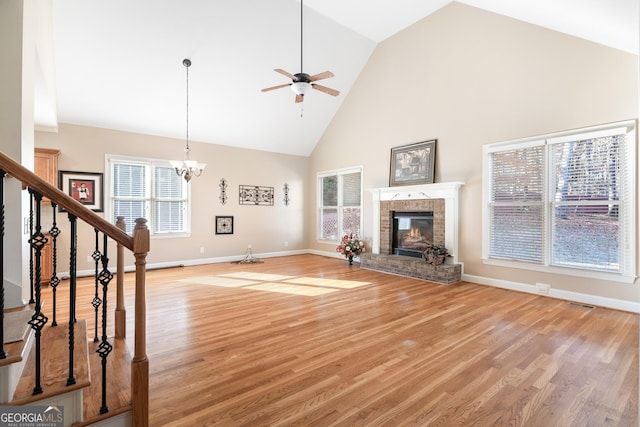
413 164
85 187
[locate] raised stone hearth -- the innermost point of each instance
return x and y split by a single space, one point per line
412 267
442 200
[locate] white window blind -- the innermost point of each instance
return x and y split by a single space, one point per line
587 185
340 203
130 192
516 206
149 189
565 200
169 201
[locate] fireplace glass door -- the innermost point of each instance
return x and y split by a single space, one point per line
412 232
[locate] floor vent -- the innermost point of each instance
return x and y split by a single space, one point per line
578 304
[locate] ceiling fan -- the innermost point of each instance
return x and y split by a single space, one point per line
301 82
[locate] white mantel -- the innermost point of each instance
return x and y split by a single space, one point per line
449 191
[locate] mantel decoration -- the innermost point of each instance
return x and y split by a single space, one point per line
435 254
350 246
413 164
187 168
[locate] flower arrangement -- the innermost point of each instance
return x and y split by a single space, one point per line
350 246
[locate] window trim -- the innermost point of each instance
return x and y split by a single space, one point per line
548 140
108 211
341 171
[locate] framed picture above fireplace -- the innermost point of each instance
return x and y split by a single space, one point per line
413 164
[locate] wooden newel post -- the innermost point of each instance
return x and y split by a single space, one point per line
140 363
121 312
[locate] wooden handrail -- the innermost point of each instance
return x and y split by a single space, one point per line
29 179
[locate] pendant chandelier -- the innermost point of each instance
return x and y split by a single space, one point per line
187 168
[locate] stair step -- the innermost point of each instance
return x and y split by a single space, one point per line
14 350
55 365
118 386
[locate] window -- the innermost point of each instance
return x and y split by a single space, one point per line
564 200
340 203
150 189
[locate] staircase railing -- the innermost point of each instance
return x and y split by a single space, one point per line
138 244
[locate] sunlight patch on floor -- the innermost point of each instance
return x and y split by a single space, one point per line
329 283
291 289
257 276
219 281
306 286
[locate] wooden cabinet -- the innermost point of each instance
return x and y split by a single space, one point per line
46 261
46 167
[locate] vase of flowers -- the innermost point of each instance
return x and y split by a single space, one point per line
350 246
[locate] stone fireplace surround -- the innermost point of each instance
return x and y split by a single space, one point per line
443 200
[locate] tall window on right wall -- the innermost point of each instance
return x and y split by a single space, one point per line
563 203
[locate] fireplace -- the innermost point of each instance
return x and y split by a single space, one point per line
441 199
425 214
412 232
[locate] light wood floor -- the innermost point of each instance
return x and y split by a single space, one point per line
310 341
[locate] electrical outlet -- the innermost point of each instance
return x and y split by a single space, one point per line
89 259
543 289
286 244
202 250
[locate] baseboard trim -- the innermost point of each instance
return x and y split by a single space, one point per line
599 301
189 262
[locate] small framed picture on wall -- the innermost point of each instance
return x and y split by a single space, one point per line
85 187
224 225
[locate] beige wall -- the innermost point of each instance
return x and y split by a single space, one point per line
469 77
266 228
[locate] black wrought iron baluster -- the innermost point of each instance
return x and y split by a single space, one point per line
72 293
3 353
96 299
31 279
55 280
38 320
105 347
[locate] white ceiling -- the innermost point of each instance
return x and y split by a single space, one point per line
118 63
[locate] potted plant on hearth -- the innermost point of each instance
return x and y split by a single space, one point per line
435 254
350 246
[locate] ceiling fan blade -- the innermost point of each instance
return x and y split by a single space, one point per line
321 76
284 73
299 98
325 89
267 89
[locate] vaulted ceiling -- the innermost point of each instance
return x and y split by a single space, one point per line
118 64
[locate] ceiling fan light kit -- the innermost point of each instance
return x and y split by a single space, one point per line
187 168
300 88
302 82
